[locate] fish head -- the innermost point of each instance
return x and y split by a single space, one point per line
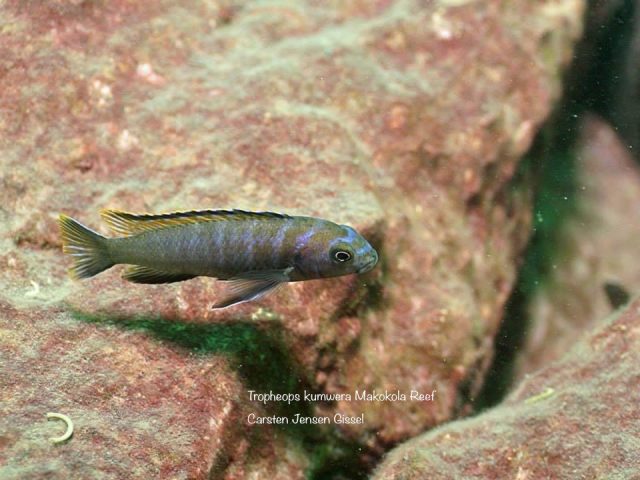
335 250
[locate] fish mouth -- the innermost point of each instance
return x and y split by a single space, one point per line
368 266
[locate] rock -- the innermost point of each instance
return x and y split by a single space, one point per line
405 120
144 402
595 252
576 418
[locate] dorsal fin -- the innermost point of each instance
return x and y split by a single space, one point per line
126 223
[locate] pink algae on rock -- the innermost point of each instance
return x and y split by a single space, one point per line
546 428
141 407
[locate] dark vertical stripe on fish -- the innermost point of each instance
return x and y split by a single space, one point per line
225 252
248 247
278 244
303 238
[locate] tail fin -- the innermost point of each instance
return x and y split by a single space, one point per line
88 248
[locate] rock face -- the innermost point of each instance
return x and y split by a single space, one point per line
573 419
596 251
403 119
142 407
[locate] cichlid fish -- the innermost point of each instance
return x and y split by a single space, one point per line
255 251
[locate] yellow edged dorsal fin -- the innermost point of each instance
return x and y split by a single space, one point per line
128 224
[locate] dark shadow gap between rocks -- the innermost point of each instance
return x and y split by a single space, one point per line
590 85
555 202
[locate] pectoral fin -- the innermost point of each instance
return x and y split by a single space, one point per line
251 286
140 274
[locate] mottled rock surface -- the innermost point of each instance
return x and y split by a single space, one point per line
405 119
142 406
597 248
576 418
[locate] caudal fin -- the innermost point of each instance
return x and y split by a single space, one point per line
88 248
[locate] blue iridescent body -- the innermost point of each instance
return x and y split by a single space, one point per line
255 251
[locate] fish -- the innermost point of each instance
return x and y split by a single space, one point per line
254 253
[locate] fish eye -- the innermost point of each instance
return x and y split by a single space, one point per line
342 256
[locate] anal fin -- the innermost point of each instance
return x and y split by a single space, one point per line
140 274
